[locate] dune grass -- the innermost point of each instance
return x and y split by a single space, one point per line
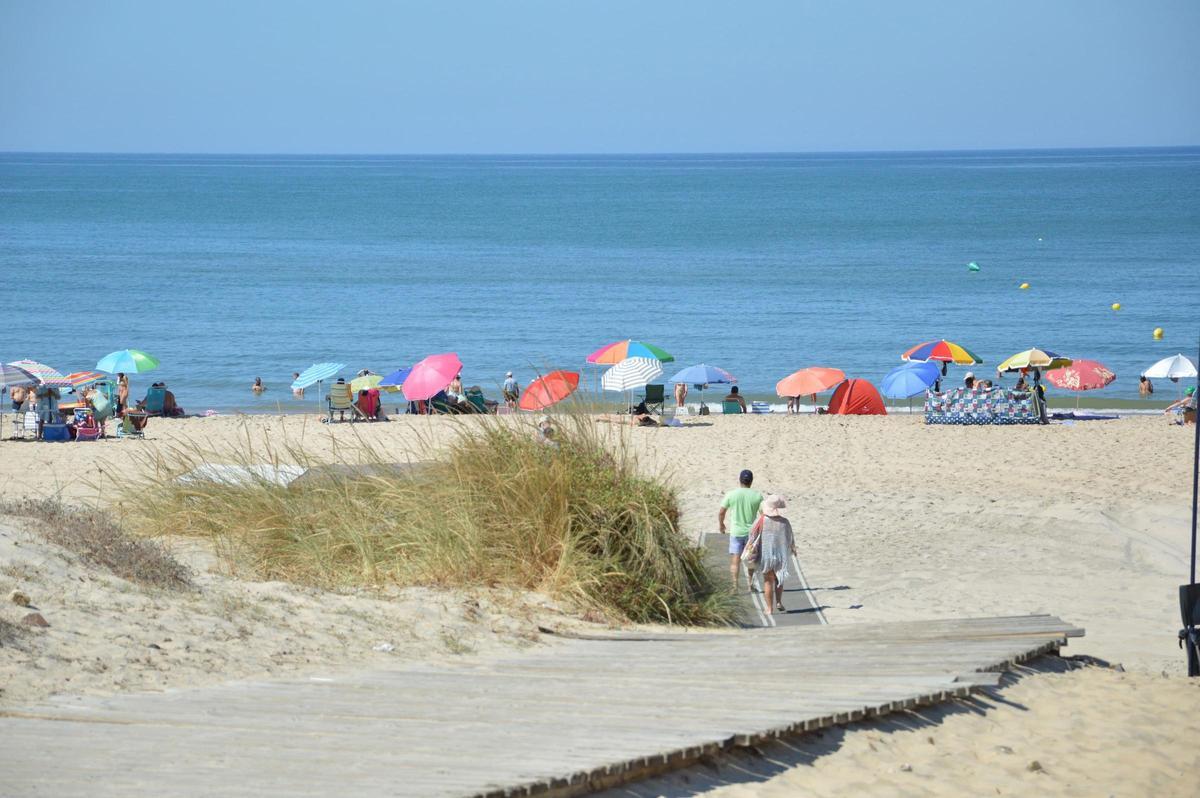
98 540
493 508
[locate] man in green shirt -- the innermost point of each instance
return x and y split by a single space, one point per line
742 504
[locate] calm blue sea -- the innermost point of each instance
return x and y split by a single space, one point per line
232 267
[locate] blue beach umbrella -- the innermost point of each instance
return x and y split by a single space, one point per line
703 374
317 373
396 378
909 380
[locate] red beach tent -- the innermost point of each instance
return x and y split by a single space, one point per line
856 398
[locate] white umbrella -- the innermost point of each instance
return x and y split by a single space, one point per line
1171 368
630 373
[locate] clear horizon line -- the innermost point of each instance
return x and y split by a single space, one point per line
614 154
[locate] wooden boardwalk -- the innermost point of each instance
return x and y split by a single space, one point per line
802 607
566 718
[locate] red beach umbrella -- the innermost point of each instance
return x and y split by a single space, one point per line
1081 375
548 390
431 375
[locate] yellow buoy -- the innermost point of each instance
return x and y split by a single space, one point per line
1024 286
1158 333
1116 306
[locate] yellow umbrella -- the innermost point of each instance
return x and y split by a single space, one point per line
365 383
1034 359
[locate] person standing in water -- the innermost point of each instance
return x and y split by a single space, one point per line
297 392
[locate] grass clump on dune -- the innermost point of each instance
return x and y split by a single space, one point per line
98 540
493 508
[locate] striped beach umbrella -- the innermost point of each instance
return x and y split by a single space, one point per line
127 361
41 372
630 373
11 375
622 350
316 373
1034 359
942 351
78 379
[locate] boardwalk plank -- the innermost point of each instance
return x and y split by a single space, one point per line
549 720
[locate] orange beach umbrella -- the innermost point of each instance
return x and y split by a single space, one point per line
809 381
548 390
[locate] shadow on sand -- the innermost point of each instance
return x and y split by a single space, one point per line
748 766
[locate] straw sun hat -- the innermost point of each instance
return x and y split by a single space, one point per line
773 505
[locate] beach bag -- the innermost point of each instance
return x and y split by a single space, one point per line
753 551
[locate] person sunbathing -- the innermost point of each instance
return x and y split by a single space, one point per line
734 396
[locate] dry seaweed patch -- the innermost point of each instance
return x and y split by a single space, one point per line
96 538
494 508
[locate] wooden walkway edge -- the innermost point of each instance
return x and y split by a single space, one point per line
572 717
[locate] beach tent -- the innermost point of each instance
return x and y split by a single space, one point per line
856 398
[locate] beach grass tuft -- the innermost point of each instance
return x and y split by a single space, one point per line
495 507
96 538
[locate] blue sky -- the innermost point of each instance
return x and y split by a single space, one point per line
580 76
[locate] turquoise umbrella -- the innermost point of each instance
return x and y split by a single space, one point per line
127 361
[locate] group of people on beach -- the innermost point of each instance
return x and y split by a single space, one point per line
760 538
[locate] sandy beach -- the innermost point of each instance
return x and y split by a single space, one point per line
894 520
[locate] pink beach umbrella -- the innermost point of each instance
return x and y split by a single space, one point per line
431 375
1081 375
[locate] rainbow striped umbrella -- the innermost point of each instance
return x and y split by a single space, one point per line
942 351
80 378
43 373
620 350
1034 359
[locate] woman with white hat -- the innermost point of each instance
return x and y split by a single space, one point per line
776 547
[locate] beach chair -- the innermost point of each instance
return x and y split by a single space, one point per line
132 425
340 401
366 407
30 424
654 398
152 405
475 396
87 428
730 408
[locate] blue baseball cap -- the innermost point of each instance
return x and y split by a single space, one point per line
746 476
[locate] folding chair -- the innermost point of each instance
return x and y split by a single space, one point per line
654 398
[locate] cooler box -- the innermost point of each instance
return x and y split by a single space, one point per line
55 432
